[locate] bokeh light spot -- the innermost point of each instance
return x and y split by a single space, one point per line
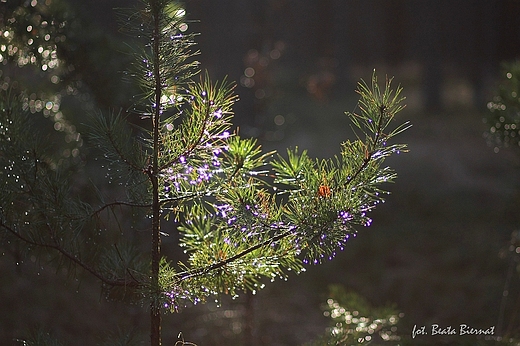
249 72
279 120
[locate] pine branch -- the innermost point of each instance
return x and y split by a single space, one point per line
72 258
184 197
317 212
118 203
207 116
122 260
120 153
188 150
111 131
369 153
220 264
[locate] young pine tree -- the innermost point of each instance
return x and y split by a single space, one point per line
242 215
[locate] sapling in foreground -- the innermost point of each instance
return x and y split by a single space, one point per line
243 215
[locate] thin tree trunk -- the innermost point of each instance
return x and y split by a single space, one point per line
155 309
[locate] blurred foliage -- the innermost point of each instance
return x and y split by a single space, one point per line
63 64
30 34
355 322
504 118
53 45
31 31
123 338
119 337
504 109
39 337
509 314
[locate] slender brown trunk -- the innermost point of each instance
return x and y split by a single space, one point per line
155 309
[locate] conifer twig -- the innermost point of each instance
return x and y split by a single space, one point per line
117 203
186 153
220 264
72 258
369 153
120 154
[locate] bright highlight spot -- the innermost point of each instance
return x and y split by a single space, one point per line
249 72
